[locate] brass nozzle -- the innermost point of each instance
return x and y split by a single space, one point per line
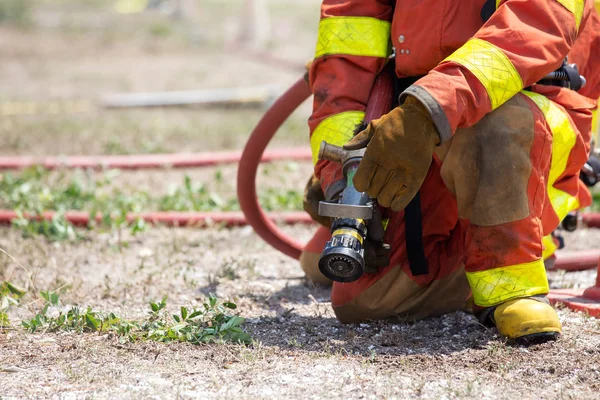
331 152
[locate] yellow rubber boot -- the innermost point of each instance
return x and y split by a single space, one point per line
527 318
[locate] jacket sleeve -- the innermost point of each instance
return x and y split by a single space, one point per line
522 42
353 45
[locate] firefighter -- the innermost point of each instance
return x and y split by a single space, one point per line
493 157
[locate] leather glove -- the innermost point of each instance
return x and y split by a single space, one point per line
377 252
399 152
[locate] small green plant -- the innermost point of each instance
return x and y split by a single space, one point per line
210 323
17 12
57 229
194 197
596 201
229 270
160 29
35 190
10 295
281 200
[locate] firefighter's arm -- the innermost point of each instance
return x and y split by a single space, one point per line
352 48
522 42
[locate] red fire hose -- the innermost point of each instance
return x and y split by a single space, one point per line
246 180
591 219
379 103
169 218
577 260
142 161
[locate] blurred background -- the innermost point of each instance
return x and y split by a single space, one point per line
61 60
77 77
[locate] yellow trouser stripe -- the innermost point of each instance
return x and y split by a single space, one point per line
549 247
337 130
595 128
576 8
495 286
491 67
357 36
563 141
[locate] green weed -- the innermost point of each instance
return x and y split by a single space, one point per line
10 295
281 200
194 197
57 229
17 12
210 323
35 190
596 201
160 29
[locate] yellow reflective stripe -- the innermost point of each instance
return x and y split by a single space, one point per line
491 67
495 286
563 141
595 128
576 8
337 129
549 247
357 36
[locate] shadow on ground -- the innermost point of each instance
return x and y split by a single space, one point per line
305 322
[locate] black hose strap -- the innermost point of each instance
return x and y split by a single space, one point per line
414 237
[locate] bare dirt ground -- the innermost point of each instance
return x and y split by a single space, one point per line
299 350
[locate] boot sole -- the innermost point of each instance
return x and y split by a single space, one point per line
537 338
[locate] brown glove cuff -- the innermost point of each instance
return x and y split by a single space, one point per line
432 107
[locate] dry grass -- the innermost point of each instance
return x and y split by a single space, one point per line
299 349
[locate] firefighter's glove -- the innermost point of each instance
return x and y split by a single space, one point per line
377 252
399 152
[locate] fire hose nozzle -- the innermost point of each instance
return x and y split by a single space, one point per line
342 259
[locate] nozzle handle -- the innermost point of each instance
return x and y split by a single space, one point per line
331 152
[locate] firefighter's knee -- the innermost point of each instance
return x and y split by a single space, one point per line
395 294
309 262
488 166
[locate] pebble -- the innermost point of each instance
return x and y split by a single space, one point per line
12 369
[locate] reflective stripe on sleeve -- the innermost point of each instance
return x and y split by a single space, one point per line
595 128
576 8
356 36
495 286
491 67
563 141
337 129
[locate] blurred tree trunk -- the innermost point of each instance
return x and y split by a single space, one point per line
255 24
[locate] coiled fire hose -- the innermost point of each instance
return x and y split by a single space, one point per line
379 103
